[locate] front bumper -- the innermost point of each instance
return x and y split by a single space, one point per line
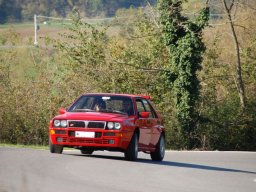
101 138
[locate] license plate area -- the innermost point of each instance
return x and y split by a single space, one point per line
83 134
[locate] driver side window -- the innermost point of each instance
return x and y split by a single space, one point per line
148 109
140 106
143 106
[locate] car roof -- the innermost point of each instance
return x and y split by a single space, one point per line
120 94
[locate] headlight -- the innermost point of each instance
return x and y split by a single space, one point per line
110 125
117 126
114 125
56 123
60 123
63 123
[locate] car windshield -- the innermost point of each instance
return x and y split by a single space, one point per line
103 103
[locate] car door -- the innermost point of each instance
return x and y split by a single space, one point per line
145 126
155 124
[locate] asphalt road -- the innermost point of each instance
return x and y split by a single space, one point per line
29 170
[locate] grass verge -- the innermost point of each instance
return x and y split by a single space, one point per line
24 146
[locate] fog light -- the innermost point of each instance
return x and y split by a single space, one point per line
59 139
111 141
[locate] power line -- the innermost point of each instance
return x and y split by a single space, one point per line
53 18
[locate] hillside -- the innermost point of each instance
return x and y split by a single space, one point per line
17 11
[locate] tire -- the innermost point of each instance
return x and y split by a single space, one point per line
55 148
131 153
86 151
159 153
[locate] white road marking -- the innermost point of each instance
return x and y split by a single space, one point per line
254 180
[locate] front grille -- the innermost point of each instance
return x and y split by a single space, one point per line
83 140
98 135
76 124
87 124
71 134
88 141
100 125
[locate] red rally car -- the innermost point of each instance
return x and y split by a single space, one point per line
114 122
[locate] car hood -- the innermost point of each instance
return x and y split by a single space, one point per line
96 116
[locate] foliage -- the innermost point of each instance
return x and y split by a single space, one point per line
27 101
130 56
15 10
184 40
224 125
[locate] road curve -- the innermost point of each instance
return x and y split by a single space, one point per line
30 170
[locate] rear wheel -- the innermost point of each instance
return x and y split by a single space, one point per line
131 153
55 148
159 153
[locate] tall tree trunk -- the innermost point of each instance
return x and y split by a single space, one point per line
238 79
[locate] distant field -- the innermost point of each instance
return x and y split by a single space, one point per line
26 30
16 25
48 29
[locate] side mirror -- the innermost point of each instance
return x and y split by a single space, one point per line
144 114
62 111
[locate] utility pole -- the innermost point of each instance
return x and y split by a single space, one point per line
35 28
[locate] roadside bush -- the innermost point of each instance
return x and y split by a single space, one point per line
36 82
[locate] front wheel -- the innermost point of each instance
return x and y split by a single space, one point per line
131 152
55 148
159 153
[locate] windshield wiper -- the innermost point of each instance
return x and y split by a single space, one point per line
82 110
121 112
101 110
112 111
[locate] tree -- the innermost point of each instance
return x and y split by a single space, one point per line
183 38
238 78
10 11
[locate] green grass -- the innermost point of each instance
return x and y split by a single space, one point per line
39 147
16 25
31 25
24 146
50 24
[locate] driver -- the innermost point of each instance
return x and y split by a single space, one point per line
99 105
